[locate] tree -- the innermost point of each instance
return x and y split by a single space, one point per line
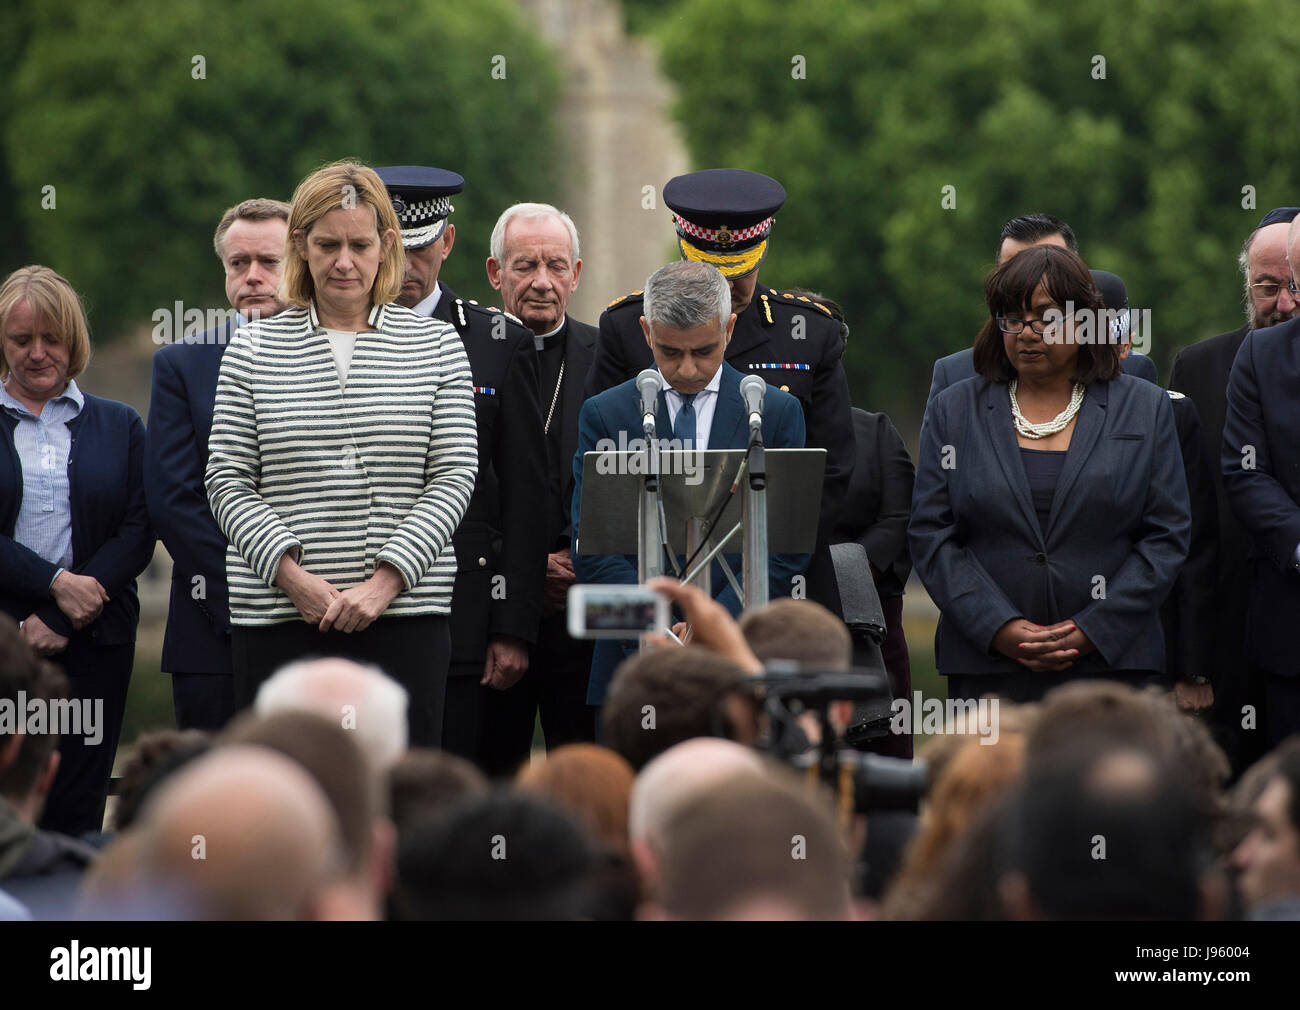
1005 102
149 123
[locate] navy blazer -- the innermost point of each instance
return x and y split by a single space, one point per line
619 410
1261 475
960 365
184 389
111 536
1120 512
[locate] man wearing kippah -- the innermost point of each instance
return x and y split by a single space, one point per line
724 217
1201 373
500 548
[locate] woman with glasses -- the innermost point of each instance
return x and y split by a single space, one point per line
1050 513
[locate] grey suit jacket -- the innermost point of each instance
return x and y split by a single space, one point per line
1117 533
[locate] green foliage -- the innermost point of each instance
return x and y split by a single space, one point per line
103 104
996 98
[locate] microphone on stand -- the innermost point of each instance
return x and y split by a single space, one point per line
648 383
752 391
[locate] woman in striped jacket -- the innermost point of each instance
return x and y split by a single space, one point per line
343 454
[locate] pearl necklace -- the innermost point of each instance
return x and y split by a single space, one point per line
1047 428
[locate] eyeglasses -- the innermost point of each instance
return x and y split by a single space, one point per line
1011 324
1270 289
1295 291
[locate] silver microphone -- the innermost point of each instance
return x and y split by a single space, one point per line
752 390
648 383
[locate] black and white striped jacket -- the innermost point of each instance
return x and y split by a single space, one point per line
379 469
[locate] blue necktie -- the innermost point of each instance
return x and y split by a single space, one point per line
684 426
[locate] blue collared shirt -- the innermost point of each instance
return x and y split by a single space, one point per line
44 444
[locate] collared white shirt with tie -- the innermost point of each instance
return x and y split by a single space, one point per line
704 403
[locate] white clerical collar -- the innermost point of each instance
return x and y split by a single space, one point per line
540 339
426 306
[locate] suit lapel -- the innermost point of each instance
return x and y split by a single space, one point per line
1002 434
577 362
729 412
1087 429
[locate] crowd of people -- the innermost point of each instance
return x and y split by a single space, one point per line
372 492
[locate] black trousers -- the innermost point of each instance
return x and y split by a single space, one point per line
101 676
203 700
414 651
462 714
1029 686
555 686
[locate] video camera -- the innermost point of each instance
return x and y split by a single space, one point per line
865 783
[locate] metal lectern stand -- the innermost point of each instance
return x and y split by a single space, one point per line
658 502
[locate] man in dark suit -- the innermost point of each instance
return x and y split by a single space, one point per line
724 217
687 325
1261 475
500 549
535 264
196 645
1201 373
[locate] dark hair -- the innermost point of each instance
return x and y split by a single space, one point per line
154 757
684 687
426 781
1154 833
39 680
1009 290
1031 228
501 856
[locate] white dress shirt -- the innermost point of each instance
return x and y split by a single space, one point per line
705 401
425 306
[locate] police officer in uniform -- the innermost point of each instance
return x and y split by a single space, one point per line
724 217
500 545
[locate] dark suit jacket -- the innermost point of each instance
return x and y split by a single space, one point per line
1190 615
961 365
773 331
1120 512
579 356
111 536
1201 373
499 534
619 410
880 499
184 388
1262 420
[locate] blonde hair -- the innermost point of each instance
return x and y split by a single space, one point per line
318 194
54 302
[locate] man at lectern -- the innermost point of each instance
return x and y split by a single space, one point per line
687 323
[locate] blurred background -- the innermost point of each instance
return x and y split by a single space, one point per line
904 133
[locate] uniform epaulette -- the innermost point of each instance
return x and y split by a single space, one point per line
625 298
786 296
486 310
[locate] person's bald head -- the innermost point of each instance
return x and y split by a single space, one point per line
359 698
244 833
1264 263
672 779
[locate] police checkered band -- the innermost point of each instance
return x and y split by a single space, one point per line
722 236
422 221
